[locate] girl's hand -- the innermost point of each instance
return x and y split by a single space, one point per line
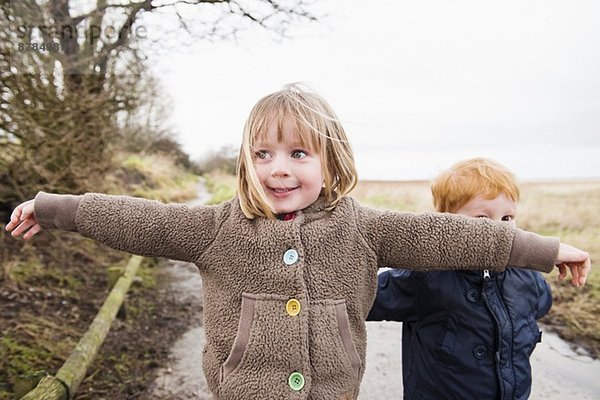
576 260
23 219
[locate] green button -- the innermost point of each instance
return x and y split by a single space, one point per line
296 381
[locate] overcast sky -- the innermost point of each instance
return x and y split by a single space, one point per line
418 84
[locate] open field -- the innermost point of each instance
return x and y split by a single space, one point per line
569 210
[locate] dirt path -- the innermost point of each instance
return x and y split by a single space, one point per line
183 378
559 373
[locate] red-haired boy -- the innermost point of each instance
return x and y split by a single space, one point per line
467 334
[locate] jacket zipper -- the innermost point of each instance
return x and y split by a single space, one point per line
486 280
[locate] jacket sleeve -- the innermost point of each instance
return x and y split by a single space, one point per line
544 296
397 296
134 225
444 241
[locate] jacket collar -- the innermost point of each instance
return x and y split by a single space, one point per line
317 206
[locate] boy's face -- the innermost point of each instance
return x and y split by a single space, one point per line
290 173
500 208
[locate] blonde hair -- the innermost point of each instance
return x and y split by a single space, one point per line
317 127
470 178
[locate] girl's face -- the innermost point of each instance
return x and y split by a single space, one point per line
289 172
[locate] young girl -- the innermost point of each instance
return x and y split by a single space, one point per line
289 267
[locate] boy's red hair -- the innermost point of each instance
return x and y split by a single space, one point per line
470 178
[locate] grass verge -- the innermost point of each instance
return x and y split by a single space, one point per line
52 287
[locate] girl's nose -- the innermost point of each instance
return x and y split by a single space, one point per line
280 169
279 173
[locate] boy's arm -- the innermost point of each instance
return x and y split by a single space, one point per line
544 296
135 225
397 296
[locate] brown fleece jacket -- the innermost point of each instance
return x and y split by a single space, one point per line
256 337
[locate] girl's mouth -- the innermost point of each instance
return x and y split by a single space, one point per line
282 192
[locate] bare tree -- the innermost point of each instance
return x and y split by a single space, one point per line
89 37
72 75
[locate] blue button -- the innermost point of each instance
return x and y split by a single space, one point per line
290 257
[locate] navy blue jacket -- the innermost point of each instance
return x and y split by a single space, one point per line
466 334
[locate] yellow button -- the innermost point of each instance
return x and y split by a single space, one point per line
293 307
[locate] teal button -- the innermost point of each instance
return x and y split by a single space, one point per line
296 381
290 257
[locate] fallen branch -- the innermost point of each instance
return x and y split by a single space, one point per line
69 376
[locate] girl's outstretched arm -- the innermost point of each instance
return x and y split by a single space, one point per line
134 225
23 221
577 261
429 241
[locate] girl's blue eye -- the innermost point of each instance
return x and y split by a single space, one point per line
298 154
261 154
